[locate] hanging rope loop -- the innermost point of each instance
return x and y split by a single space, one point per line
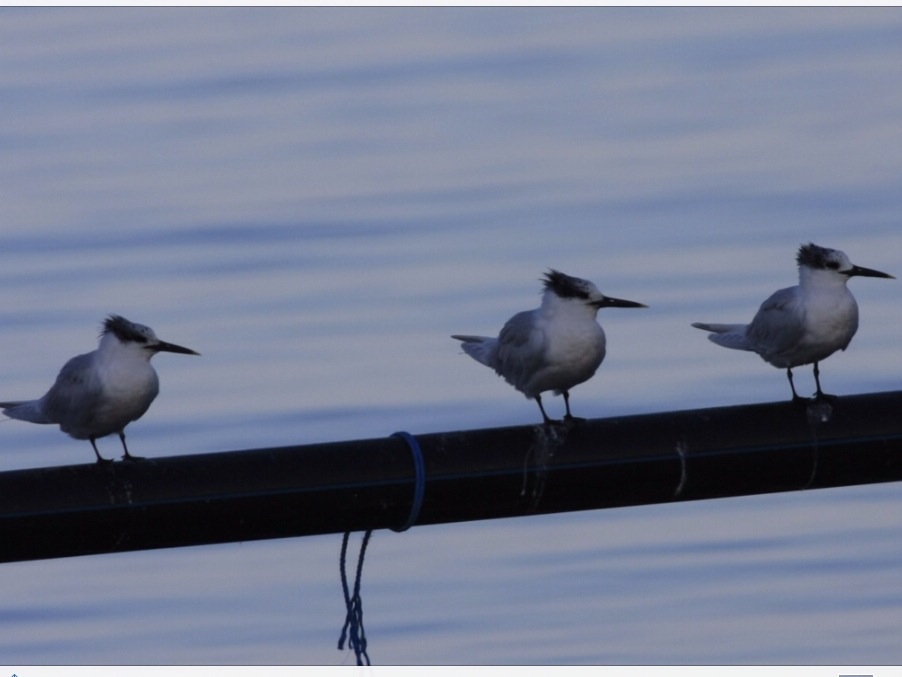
353 630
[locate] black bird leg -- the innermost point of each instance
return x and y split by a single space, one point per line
100 459
817 380
795 396
546 420
821 395
128 456
568 416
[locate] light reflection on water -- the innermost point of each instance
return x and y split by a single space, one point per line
315 200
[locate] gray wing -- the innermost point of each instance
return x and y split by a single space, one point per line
521 350
779 323
74 397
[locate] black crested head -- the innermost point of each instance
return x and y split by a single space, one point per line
124 330
565 286
816 257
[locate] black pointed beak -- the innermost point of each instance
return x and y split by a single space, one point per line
610 302
163 347
866 272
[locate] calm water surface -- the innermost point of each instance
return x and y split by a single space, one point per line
316 198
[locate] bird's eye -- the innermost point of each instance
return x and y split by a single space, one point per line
833 265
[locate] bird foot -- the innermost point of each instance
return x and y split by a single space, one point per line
567 421
129 457
817 397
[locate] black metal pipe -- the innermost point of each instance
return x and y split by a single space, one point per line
469 475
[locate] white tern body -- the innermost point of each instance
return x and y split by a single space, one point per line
554 347
99 393
803 324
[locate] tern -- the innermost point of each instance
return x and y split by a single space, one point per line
554 347
99 393
804 324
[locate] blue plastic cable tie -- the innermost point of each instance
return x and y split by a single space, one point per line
419 489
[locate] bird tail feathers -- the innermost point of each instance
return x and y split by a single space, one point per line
726 335
25 411
480 348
